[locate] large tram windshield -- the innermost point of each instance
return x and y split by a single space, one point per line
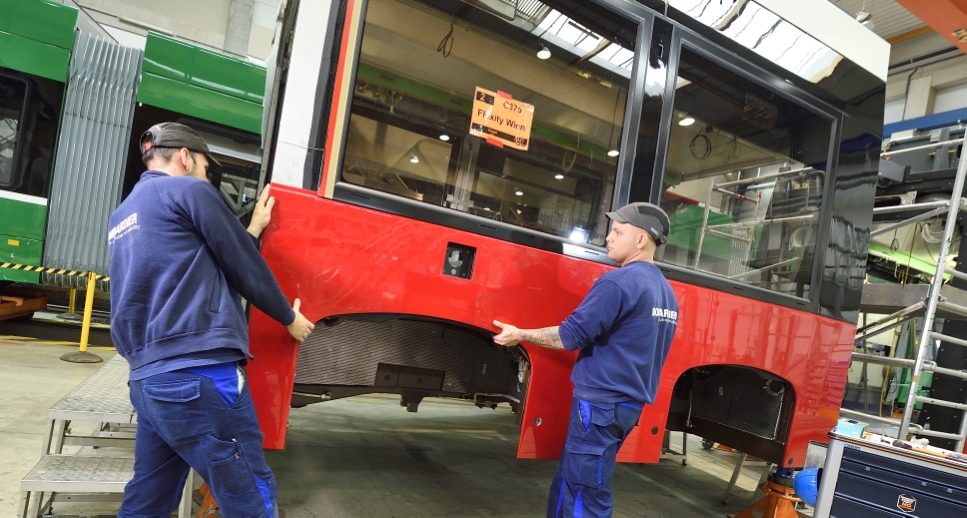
413 132
744 179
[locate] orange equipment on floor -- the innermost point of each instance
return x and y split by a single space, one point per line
780 500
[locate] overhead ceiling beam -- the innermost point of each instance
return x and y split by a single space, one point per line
947 17
909 35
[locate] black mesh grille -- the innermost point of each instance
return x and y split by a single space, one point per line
349 353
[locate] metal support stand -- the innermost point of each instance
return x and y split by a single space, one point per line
82 356
666 447
780 500
184 508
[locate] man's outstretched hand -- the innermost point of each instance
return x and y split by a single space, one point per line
300 328
509 335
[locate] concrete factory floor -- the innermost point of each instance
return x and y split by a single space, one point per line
368 457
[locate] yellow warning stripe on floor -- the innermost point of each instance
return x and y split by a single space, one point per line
41 269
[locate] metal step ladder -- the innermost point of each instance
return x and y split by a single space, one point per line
101 398
74 478
929 307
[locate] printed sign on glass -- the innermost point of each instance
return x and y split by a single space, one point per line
501 120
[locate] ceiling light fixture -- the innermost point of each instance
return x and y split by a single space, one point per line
686 121
519 193
544 53
613 153
559 176
414 159
865 19
444 137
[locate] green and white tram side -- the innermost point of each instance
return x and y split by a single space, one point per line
72 107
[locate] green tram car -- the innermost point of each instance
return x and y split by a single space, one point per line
72 108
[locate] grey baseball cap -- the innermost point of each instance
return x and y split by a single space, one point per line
646 216
175 135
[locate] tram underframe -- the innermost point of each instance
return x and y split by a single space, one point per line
407 355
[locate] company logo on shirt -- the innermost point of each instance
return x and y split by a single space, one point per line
665 315
128 224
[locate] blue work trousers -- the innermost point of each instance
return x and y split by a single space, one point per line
183 421
582 484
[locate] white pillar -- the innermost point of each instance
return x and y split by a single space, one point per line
920 98
239 27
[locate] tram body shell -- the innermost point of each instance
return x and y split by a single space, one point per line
348 253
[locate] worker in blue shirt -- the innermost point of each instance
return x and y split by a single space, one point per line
623 330
179 262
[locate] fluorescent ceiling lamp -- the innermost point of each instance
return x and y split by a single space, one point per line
444 137
686 121
519 193
559 176
576 39
613 153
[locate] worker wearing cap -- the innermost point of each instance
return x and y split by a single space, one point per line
622 330
179 261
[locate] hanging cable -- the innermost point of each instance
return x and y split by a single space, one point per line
446 44
693 148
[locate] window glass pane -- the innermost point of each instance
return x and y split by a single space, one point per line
420 67
744 179
12 95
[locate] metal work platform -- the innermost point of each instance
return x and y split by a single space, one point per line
72 478
101 398
887 299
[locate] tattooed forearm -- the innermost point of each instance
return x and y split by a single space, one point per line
546 337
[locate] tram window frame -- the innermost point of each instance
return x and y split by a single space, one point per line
685 38
15 169
635 14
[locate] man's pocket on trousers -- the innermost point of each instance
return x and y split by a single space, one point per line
602 414
231 469
583 463
176 409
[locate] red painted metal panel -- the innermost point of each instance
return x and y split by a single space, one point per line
343 259
947 17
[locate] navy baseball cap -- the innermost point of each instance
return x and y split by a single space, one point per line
175 135
646 216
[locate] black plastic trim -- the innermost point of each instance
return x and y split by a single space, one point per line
323 100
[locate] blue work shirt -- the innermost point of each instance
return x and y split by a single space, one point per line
623 329
179 260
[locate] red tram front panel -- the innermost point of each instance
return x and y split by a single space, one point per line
342 259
